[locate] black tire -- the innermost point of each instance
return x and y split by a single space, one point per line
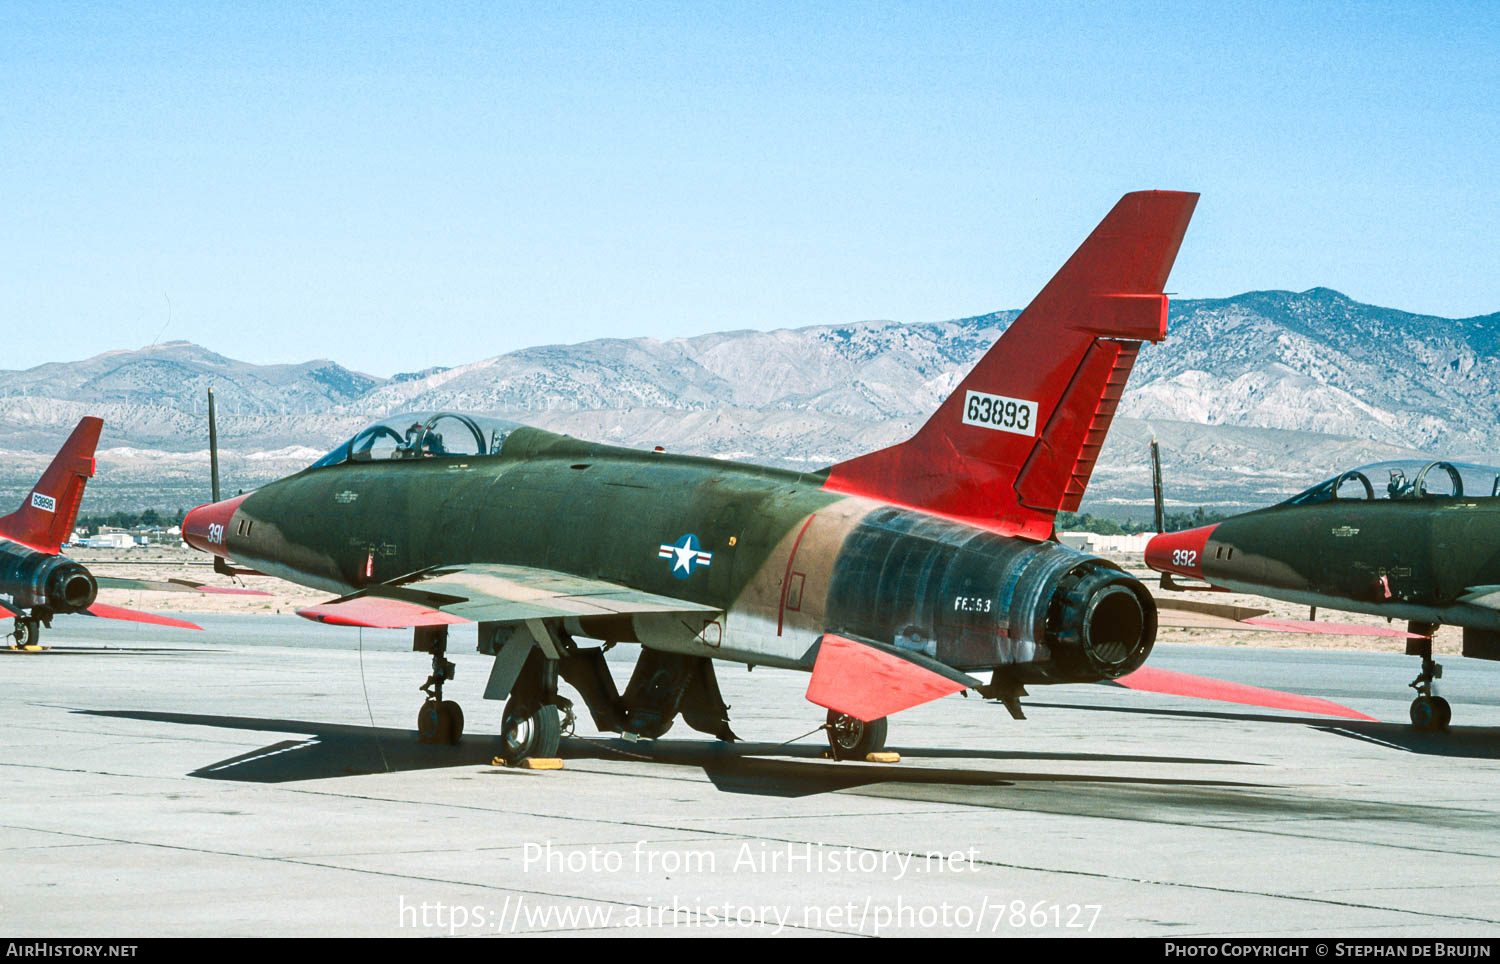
440 722
1426 714
429 722
450 722
852 739
26 633
1444 712
529 731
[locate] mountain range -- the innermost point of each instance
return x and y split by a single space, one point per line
1253 397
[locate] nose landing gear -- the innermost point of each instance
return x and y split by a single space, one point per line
1429 711
439 720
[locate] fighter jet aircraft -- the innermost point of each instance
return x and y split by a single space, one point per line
1409 541
36 580
890 577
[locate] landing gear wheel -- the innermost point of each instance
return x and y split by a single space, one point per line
1445 712
451 721
26 633
1431 713
529 731
440 721
852 739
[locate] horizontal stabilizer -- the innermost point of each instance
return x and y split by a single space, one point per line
1151 680
135 616
868 682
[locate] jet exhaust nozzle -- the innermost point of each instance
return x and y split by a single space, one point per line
34 578
1102 624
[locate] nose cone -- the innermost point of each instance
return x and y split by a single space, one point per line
1179 552
207 527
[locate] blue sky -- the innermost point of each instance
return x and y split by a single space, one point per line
398 186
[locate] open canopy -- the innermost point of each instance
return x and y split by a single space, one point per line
1406 479
422 435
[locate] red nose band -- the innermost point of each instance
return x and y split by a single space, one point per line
1179 552
206 528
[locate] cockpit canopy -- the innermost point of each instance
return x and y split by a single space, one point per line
1406 479
422 435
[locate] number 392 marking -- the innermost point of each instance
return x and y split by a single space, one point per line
1003 414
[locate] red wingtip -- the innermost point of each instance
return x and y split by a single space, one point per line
135 616
375 612
1151 680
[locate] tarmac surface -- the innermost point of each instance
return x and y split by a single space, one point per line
263 778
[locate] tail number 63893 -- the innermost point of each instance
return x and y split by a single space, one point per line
1016 415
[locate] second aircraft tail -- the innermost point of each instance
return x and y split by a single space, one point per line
46 516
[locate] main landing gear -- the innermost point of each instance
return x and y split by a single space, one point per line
26 634
1429 711
854 739
439 720
535 715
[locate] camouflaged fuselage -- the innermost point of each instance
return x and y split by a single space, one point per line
783 558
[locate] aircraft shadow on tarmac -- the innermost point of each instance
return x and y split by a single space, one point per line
336 750
329 750
1473 742
109 651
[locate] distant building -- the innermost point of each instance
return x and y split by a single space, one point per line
1094 542
110 540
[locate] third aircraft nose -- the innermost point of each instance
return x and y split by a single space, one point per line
1179 552
207 527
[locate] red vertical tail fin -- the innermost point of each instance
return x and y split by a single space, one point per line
1016 441
49 510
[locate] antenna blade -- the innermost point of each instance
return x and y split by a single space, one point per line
1156 498
213 447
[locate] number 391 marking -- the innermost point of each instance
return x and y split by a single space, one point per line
1015 415
1185 557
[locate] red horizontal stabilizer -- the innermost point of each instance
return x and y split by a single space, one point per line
136 616
1151 680
869 683
1329 629
375 612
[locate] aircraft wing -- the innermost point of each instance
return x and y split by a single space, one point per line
104 611
1190 614
172 585
490 593
1485 597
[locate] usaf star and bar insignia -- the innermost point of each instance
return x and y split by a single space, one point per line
686 555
